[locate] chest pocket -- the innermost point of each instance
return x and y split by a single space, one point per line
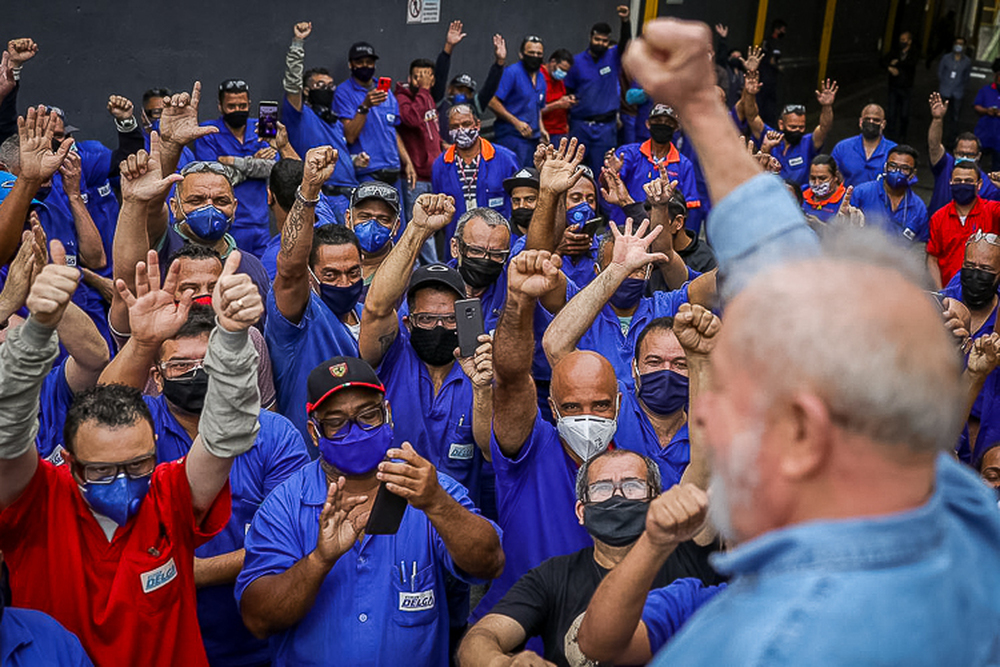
155 575
415 599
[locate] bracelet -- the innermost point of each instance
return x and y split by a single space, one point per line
362 109
127 125
302 200
16 72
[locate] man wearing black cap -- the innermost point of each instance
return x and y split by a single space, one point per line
370 117
462 88
374 217
384 592
522 190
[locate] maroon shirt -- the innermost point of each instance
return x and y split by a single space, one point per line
418 128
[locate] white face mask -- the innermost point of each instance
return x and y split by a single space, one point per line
587 435
822 189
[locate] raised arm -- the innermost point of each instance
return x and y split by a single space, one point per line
492 82
558 173
746 107
130 137
294 59
935 145
228 424
379 322
90 248
178 128
530 275
825 96
26 357
291 283
19 51
452 39
630 254
658 194
479 369
611 625
625 32
697 329
984 356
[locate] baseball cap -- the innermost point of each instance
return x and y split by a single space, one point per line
361 50
662 110
339 373
7 181
440 274
67 128
526 178
376 190
465 81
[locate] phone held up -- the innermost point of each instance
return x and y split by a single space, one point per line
267 120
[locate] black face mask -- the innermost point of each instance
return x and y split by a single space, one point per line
363 74
793 137
479 273
320 97
187 393
661 134
598 50
737 64
616 521
520 217
531 63
435 347
978 287
870 130
236 119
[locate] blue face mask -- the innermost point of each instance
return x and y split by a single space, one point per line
663 392
896 179
459 98
119 500
636 96
963 193
559 74
628 293
372 235
580 215
359 451
341 300
208 223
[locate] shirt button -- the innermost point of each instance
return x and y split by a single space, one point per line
363 617
362 560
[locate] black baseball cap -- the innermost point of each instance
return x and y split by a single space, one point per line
663 110
465 81
376 190
339 373
440 274
361 50
526 178
67 128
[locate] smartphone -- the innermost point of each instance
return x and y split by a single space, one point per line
590 227
469 321
387 512
267 120
384 83
939 297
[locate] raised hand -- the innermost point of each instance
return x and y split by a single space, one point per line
19 276
957 320
827 93
72 172
939 107
179 121
560 170
53 289
672 62
236 299
721 30
414 479
153 314
455 34
479 367
630 248
659 191
771 140
696 329
38 161
433 212
984 355
848 213
340 523
751 83
540 155
754 56
302 29
533 273
21 51
623 12
676 515
613 188
142 179
120 107
499 48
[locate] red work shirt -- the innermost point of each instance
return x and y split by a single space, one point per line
948 234
131 601
557 120
418 128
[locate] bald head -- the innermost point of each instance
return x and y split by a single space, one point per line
584 383
873 110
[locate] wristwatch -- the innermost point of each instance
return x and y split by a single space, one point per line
127 125
362 109
302 200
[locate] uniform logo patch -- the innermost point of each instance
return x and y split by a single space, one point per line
495 201
391 117
338 370
605 70
460 451
795 162
908 233
159 577
104 190
416 601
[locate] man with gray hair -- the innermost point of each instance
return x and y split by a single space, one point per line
834 394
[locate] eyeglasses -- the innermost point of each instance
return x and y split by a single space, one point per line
477 252
383 220
154 113
980 235
367 419
431 320
631 489
797 109
202 166
106 473
233 86
903 168
176 368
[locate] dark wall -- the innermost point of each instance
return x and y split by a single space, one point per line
89 50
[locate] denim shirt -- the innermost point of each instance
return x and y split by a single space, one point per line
912 588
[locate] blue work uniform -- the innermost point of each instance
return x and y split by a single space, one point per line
536 499
697 216
98 195
29 637
910 219
668 608
370 609
251 227
855 166
606 338
635 432
496 163
277 452
639 167
822 209
54 402
525 101
942 184
593 120
296 349
795 160
988 127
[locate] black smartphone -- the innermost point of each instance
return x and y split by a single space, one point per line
469 321
387 512
590 227
939 297
267 120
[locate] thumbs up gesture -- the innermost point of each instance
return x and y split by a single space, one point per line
236 300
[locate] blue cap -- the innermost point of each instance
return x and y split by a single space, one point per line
7 181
